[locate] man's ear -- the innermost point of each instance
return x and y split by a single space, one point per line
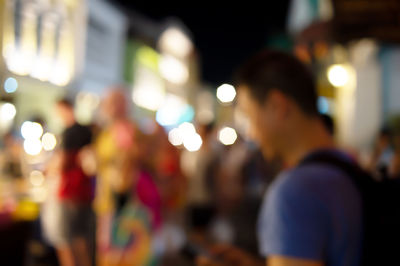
278 103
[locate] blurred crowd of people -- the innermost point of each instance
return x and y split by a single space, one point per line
119 195
116 194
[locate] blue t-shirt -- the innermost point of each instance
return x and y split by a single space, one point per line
312 212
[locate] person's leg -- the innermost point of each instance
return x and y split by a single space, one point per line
65 255
64 248
81 251
83 231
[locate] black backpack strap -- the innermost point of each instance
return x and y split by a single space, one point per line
381 211
350 168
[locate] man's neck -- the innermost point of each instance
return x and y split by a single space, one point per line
310 137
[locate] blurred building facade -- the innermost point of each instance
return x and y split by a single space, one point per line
352 48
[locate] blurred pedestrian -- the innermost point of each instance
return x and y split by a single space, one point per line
303 220
127 199
76 192
11 157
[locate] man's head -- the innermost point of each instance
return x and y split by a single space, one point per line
277 92
65 109
115 104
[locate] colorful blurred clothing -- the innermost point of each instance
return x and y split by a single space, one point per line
126 234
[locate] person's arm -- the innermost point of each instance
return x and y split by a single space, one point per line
87 159
291 261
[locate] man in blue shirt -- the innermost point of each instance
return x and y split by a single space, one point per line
311 214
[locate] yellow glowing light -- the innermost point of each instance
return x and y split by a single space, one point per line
36 178
26 210
49 141
226 93
227 136
175 137
338 75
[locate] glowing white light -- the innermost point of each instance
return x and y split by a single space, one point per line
20 62
36 178
149 89
192 142
175 42
171 110
173 70
227 136
60 75
31 130
148 98
175 137
10 85
187 129
8 112
49 141
42 69
338 75
226 93
32 146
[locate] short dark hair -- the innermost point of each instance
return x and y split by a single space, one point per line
271 69
65 102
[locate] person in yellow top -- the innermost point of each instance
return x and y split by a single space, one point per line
126 214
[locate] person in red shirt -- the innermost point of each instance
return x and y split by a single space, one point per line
76 192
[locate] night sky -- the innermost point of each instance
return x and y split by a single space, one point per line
224 35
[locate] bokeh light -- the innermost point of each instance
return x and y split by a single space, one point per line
226 93
31 130
173 70
175 137
11 85
192 142
7 112
227 136
49 141
338 75
174 41
36 178
187 129
32 146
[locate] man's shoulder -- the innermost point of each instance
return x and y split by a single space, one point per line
313 181
311 173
